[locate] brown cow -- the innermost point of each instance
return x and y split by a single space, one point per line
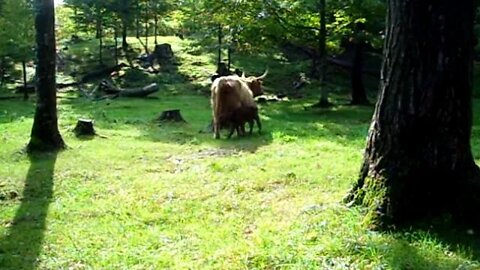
232 104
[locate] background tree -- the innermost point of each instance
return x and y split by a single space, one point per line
418 160
17 34
45 135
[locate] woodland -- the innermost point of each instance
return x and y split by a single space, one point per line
234 134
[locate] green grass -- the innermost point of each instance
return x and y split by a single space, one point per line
151 196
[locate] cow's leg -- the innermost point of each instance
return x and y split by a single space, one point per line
250 125
232 129
239 131
257 120
216 129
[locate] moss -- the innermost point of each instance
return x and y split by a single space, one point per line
373 197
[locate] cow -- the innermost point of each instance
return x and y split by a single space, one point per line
233 104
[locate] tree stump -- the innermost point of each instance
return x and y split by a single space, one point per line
163 52
171 116
84 127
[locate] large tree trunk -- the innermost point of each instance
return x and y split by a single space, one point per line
45 135
418 159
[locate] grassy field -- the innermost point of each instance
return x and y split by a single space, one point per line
149 195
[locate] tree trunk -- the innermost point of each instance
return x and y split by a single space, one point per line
359 95
124 35
137 18
100 39
156 22
229 58
322 53
25 84
2 71
115 32
146 26
45 135
418 159
219 57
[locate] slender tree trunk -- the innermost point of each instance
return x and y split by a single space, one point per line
25 88
229 57
45 135
219 57
115 33
146 25
2 71
124 35
100 39
418 159
137 17
359 95
98 25
322 51
156 23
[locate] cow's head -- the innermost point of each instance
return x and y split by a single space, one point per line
255 83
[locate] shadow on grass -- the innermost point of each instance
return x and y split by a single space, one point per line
20 248
342 124
404 251
405 255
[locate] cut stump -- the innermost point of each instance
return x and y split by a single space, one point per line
163 52
171 116
84 127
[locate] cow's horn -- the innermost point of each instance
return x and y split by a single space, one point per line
263 75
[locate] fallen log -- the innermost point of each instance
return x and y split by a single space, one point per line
104 72
9 97
31 87
110 89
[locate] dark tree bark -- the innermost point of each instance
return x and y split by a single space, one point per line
418 161
124 35
137 18
229 58
219 56
45 135
2 71
25 83
147 18
155 22
322 54
115 33
359 95
100 40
